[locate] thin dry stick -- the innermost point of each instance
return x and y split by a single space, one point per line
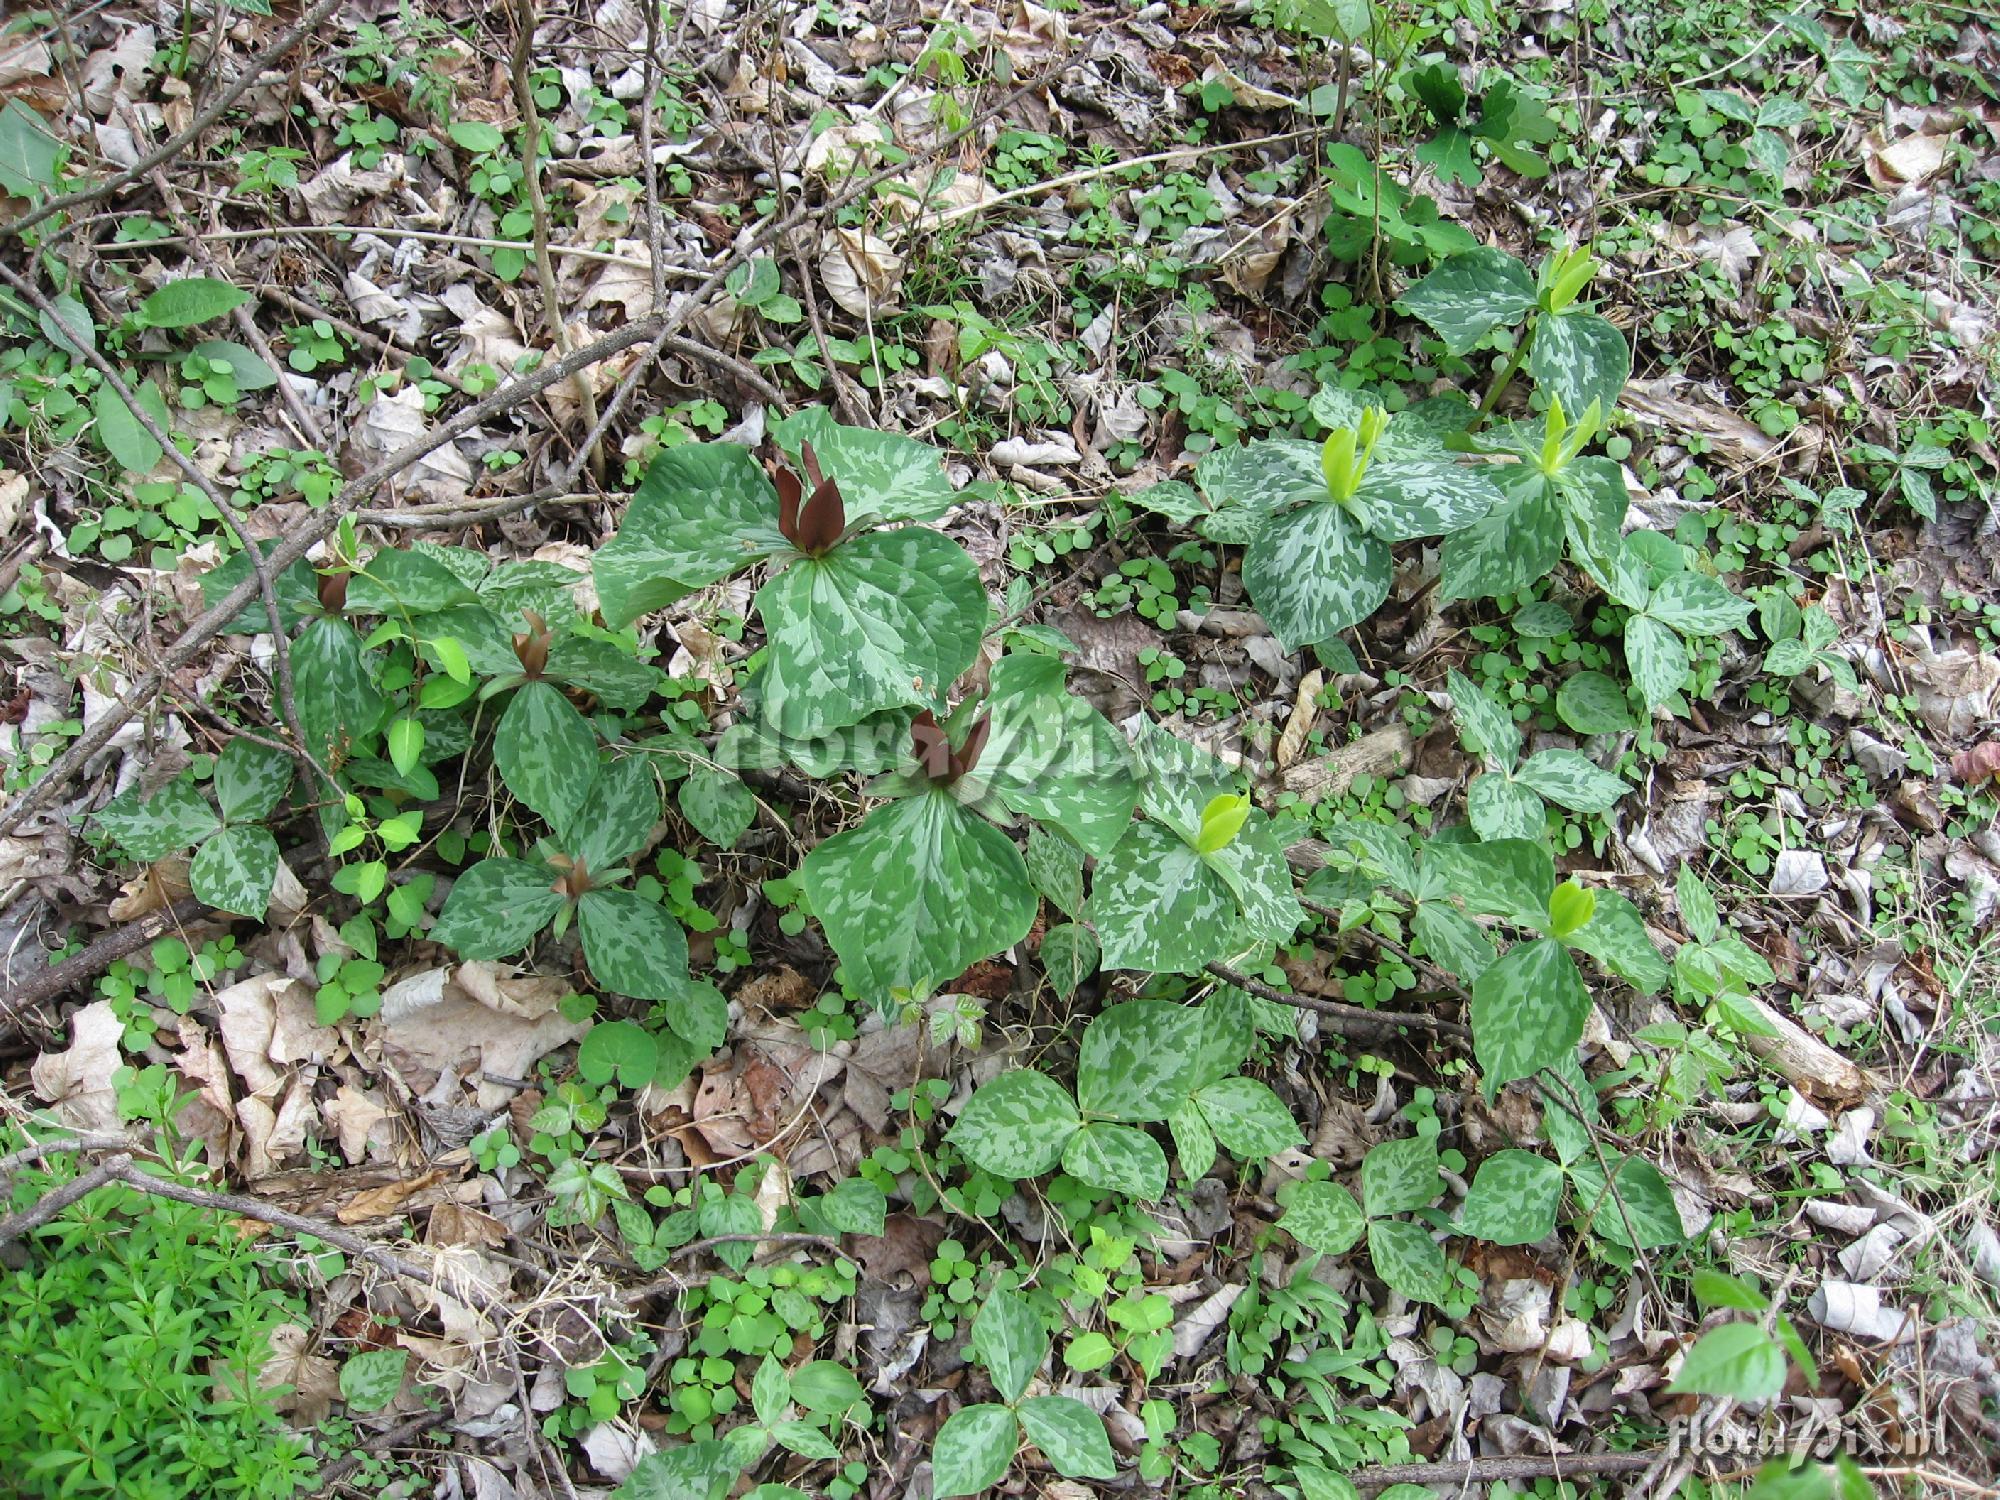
262 574
204 117
81 968
359 335
56 1199
538 208
1345 1019
1496 1470
392 232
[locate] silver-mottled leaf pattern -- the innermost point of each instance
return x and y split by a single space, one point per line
1616 937
251 779
546 752
1408 1259
1513 1200
702 511
1250 1120
1572 780
1136 1060
1399 1176
1051 756
972 1450
496 908
175 817
233 871
634 947
1070 1435
1017 1125
1528 1011
1008 1338
1158 906
1313 571
880 473
1471 294
1118 1159
1414 492
1323 1216
1578 358
617 813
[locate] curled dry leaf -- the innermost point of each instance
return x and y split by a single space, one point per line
861 273
312 1380
1980 763
78 1081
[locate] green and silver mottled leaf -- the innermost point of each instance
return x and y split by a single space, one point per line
339 704
1008 1338
1572 780
1511 878
1250 1120
1179 503
1069 956
1413 493
1640 1214
297 590
602 670
1578 358
176 817
1484 726
1312 572
1254 866
702 511
1051 756
1594 505
1399 1176
1657 658
1499 807
1158 906
1177 778
1528 1011
1408 1259
1616 937
233 871
482 634
1194 1142
718 804
546 752
1513 1200
1323 1216
618 811
1055 865
1519 541
1247 483
1380 848
879 473
884 620
397 583
972 1450
1696 604
1117 1159
868 747
1017 1126
496 908
1470 295
1137 1060
251 780
1453 939
1592 703
919 893
1070 1435
1223 1038
633 946
1569 1109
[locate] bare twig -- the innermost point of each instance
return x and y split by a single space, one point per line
538 208
1479 1471
204 117
1345 1019
56 1199
81 968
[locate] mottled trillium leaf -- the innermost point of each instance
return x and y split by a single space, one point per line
546 752
1051 756
1158 906
1697 604
1510 878
233 871
1246 483
1254 867
702 511
1499 807
1177 778
617 813
1117 1159
398 582
1399 1176
1513 1200
1640 1214
1069 956
1572 780
1412 492
1616 937
886 619
718 804
251 780
916 895
1055 865
1194 1142
1136 1060
1592 703
1485 728
1453 939
1250 1120
603 670
1471 294
880 473
1008 1338
1528 1011
175 817
1517 542
339 703
296 588
1322 1216
972 1450
1314 571
634 947
1408 1259
1578 358
1656 657
1070 1435
496 908
1016 1126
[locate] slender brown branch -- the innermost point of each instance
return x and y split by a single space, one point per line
56 1199
1335 1016
102 952
1495 1470
204 117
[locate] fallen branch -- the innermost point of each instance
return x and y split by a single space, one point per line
1336 1016
1497 1470
102 952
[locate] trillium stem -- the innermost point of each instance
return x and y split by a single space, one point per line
1507 372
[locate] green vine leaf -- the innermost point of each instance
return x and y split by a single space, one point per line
919 893
1737 1359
